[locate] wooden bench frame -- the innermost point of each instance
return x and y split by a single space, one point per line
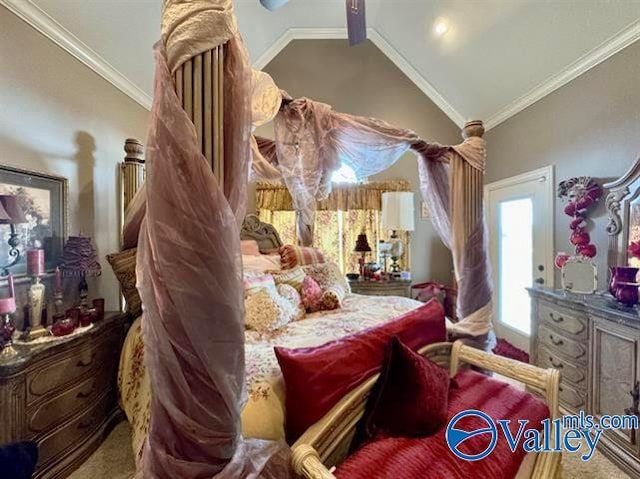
326 443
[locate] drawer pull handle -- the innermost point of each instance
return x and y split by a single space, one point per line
82 364
559 319
85 395
555 342
555 364
560 389
86 423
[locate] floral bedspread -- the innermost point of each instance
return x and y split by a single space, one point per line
263 415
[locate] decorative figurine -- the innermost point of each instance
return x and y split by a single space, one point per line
35 269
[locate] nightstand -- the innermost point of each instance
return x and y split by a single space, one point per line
62 394
398 287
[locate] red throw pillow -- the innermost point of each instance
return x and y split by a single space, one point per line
410 397
317 378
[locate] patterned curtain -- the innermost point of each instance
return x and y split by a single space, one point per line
336 233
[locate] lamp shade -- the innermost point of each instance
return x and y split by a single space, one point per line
11 213
362 244
397 211
79 257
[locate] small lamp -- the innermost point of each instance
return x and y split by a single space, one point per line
362 247
79 258
397 215
11 214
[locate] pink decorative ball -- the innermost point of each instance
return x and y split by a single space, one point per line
588 250
579 237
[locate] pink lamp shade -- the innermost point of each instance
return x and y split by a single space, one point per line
79 257
11 212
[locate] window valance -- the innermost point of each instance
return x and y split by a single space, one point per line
274 195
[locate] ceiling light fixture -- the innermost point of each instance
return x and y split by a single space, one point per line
441 27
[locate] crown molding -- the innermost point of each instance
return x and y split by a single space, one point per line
66 40
594 57
381 43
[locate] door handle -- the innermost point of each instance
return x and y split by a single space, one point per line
539 280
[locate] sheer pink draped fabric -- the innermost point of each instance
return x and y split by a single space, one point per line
190 281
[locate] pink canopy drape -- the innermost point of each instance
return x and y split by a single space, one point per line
190 282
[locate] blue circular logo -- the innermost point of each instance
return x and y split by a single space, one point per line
455 437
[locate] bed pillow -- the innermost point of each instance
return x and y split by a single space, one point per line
292 256
409 399
311 295
332 297
124 267
261 282
260 263
316 378
293 277
290 293
267 311
327 275
249 247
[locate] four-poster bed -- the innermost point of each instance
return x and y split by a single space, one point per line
185 223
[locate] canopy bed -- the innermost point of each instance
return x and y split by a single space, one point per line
185 223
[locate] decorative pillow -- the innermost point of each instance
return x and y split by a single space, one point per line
311 294
293 256
332 297
294 277
266 312
260 263
124 267
327 275
253 284
290 293
410 398
317 378
249 247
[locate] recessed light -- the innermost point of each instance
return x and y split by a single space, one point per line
441 27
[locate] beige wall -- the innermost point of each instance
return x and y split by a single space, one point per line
591 126
362 81
58 116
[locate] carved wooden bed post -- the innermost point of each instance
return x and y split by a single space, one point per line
472 183
199 84
133 170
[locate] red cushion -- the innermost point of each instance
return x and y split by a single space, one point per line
410 397
317 378
430 457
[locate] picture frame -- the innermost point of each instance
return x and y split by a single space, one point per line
43 198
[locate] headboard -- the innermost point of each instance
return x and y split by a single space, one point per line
265 234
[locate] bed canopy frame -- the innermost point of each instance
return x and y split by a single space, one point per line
203 62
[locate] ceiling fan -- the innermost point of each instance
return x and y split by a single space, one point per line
356 20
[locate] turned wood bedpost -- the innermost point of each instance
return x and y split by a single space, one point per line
199 84
133 170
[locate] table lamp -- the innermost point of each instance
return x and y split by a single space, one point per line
397 215
79 258
362 247
11 214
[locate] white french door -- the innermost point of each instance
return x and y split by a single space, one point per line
520 222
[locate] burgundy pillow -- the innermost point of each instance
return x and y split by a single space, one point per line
316 378
409 399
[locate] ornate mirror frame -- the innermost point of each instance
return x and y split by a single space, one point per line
622 193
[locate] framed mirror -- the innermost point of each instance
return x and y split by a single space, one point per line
579 276
623 209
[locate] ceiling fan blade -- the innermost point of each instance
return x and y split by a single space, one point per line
356 22
273 4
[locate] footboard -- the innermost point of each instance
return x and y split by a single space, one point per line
326 443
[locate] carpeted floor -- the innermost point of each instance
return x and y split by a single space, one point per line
114 460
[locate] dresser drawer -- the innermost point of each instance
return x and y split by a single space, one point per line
71 435
63 406
565 320
576 375
68 367
572 399
561 344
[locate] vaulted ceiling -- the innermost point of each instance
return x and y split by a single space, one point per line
497 57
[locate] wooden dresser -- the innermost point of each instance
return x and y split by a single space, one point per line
397 287
595 343
62 394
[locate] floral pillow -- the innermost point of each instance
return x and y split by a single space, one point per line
257 282
290 293
293 277
332 297
327 275
311 295
265 311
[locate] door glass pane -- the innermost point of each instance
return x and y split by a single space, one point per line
515 262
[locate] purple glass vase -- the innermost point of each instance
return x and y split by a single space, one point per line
627 293
621 274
